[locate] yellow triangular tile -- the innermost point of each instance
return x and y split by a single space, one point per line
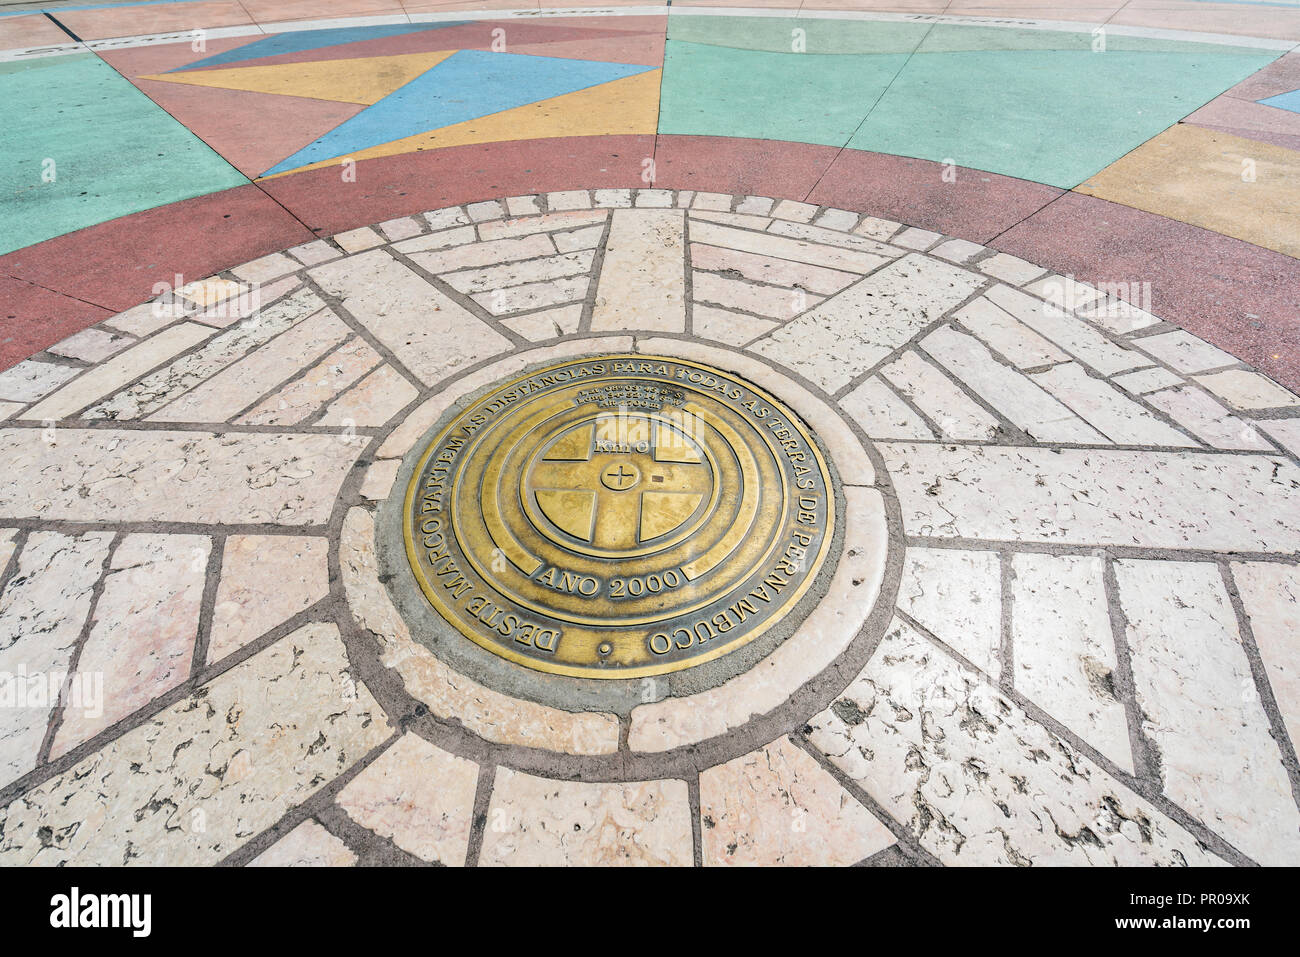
363 80
626 106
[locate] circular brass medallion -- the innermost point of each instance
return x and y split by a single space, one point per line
618 516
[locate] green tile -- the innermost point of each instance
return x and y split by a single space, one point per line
776 34
115 151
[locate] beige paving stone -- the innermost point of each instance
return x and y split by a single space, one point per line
918 239
42 610
1248 390
654 199
447 693
755 205
882 414
1200 708
442 239
1197 412
492 253
419 797
962 766
538 822
547 324
307 845
148 317
1192 500
358 240
372 401
1117 315
1270 594
778 272
197 780
208 292
32 379
1010 269
116 372
426 330
111 475
878 229
378 483
1147 380
485 211
403 227
265 580
845 449
267 268
841 219
302 397
831 237
91 345
8 545
9 409
1015 341
586 238
957 595
723 325
314 253
849 333
533 295
774 302
446 218
817 642
175 379
1064 292
739 220
938 397
1064 651
780 247
568 199
714 201
684 198
516 274
1015 396
421 419
141 644
240 384
957 250
1286 432
1184 351
522 205
799 212
548 222
1106 409
1073 335
778 807
642 283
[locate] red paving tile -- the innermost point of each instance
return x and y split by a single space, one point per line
1236 295
104 23
33 318
397 185
36 30
730 165
116 264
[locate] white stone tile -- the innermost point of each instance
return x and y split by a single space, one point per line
1073 335
1200 708
1184 351
404 227
292 732
882 414
849 333
780 247
1286 432
315 252
957 250
1014 340
547 324
1147 380
491 253
957 595
588 238
841 219
1192 500
716 201
91 345
1117 315
799 212
533 295
266 269
1106 409
419 797
568 199
307 845
442 239
485 211
427 331
1016 397
125 475
918 239
777 807
642 282
755 205
1270 595
654 199
1010 269
613 198
778 272
1063 650
517 274
372 401
959 765
879 229
1197 412
523 205
148 317
722 325
539 822
773 302
32 379
1248 390
935 394
358 240
303 397
1064 292
831 237
550 222
378 483
446 218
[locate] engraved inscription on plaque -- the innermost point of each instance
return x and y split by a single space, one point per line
618 516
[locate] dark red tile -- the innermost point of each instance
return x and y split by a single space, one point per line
32 318
723 164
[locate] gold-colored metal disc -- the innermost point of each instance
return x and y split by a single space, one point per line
618 516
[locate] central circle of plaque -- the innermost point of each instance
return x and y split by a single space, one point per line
618 516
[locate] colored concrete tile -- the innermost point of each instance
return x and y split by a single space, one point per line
119 263
318 42
278 11
131 21
33 318
1252 121
1231 293
1233 18
726 164
57 179
1280 76
1238 187
818 37
35 30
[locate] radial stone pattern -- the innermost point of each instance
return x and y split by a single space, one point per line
667 528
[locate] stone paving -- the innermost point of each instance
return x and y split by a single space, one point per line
1060 630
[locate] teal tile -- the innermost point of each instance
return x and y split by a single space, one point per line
115 151
777 34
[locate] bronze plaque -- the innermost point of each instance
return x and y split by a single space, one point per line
618 516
